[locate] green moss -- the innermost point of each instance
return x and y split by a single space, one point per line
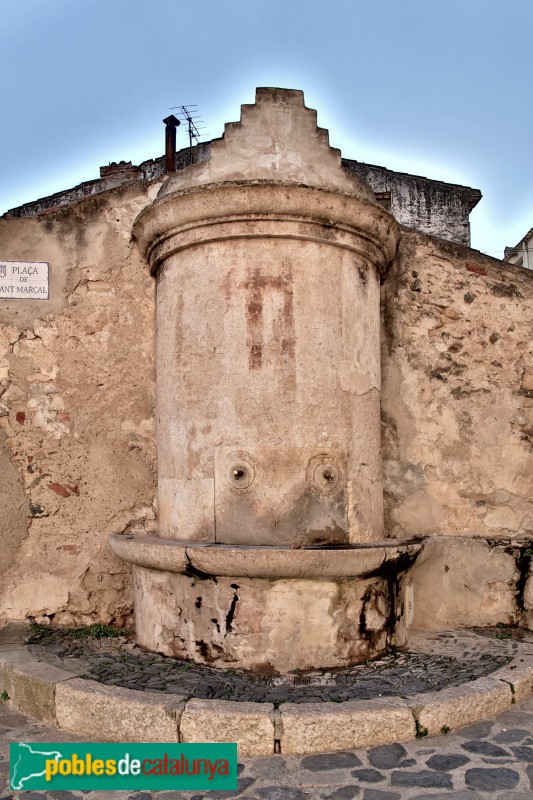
38 632
95 631
186 666
420 730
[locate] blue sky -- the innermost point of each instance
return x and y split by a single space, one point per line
441 89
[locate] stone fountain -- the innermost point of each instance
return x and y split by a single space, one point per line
271 553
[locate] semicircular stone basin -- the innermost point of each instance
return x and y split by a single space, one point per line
271 552
269 608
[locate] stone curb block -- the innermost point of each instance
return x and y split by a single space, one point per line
519 675
30 684
13 635
461 705
248 724
322 727
117 714
114 713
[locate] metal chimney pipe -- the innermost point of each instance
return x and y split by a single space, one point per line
170 142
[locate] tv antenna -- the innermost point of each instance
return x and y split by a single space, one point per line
189 115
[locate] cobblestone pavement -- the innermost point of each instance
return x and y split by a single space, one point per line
434 661
492 759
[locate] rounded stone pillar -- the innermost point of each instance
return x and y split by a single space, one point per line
268 362
268 260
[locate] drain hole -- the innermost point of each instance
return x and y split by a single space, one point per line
238 474
301 680
328 475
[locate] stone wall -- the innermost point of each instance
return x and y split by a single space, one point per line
457 392
77 417
457 413
77 411
434 207
440 209
111 176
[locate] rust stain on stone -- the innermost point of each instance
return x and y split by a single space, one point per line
257 286
255 359
475 268
288 338
64 490
20 417
70 548
178 341
254 318
227 286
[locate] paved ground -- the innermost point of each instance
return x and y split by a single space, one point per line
433 661
492 759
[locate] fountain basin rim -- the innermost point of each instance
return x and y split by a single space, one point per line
264 561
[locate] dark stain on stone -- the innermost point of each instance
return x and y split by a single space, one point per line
455 348
37 510
459 392
231 613
36 481
264 668
438 374
522 557
203 649
192 572
526 435
506 290
328 230
391 568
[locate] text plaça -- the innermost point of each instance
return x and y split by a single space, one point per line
26 270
